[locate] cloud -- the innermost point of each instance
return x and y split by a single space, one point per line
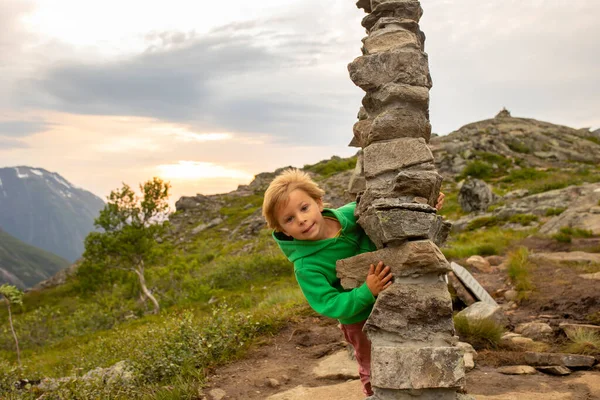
537 58
21 128
10 143
255 77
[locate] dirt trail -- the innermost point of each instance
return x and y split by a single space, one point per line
281 368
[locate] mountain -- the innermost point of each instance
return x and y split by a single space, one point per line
23 265
524 141
43 209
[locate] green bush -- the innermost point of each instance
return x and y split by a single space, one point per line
518 147
551 212
522 219
593 139
483 222
500 161
478 169
548 185
333 166
565 234
524 174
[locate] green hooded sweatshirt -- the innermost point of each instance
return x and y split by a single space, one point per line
314 266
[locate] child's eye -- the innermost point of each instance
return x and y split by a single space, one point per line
288 220
304 208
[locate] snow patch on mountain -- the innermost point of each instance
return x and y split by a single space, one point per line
57 179
20 175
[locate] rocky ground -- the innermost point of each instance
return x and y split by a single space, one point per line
303 362
308 359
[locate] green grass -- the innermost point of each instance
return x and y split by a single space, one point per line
482 242
519 269
332 166
481 334
566 234
583 341
593 139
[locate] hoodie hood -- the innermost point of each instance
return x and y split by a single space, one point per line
297 249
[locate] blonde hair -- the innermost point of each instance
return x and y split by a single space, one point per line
277 193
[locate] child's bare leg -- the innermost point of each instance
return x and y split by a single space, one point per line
362 349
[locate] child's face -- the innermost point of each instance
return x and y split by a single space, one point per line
301 217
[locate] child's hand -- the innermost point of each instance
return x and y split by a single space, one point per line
379 278
440 201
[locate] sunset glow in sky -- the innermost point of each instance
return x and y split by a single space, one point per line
208 94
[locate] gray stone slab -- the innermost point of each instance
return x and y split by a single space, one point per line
395 155
395 226
565 360
471 283
415 312
409 259
417 368
401 65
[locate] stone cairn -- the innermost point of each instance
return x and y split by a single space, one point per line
414 353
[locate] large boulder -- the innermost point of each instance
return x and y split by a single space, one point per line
481 310
475 195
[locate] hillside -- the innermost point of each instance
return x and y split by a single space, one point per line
23 265
44 210
227 286
505 142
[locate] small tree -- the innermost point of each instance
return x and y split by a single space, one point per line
11 295
131 226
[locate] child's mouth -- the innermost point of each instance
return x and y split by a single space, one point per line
309 228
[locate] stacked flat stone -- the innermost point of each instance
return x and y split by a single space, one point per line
411 329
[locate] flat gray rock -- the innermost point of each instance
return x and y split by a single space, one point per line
555 370
517 370
344 391
337 366
565 360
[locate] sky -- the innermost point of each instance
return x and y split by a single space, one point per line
207 94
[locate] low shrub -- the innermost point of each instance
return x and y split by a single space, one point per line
477 169
518 147
593 139
332 166
551 212
483 222
481 334
523 219
565 234
524 174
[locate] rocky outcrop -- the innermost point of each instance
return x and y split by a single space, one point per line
578 207
521 141
411 327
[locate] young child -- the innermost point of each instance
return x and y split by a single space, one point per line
314 238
